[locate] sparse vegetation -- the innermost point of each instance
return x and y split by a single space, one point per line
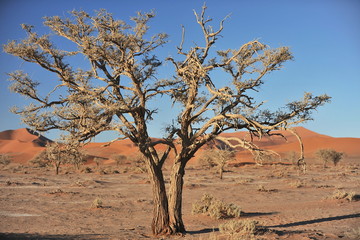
97 203
238 229
292 157
39 160
353 233
341 194
261 188
216 158
119 159
215 208
5 159
297 184
329 155
137 164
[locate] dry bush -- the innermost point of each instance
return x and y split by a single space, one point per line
329 155
97 203
297 184
292 157
5 159
137 164
215 208
39 160
341 194
353 233
240 228
97 161
119 159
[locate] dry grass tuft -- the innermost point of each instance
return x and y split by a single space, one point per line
341 194
238 229
97 203
215 208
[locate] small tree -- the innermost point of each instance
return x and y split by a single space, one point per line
114 92
72 152
217 158
55 155
329 155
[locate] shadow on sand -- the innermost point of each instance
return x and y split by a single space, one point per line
243 214
29 236
319 220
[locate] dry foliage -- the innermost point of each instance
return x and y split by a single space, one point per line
216 158
340 194
5 159
238 229
215 208
329 155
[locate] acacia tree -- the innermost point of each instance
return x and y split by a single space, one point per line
113 94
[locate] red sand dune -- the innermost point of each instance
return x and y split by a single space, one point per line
23 145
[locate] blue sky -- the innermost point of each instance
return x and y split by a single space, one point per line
323 35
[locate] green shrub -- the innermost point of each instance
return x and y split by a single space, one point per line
215 208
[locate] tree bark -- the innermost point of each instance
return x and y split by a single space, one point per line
175 197
57 168
160 221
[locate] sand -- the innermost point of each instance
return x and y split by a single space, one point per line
37 204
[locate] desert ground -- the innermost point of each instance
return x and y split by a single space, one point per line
37 204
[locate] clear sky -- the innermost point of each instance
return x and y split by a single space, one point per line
324 37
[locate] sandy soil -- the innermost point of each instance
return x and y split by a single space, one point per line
36 204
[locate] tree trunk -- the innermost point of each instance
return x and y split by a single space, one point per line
160 222
221 171
175 197
57 168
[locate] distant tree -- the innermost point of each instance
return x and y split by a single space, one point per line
329 155
218 158
55 155
114 93
73 153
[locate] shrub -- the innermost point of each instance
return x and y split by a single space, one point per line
40 160
329 155
97 203
5 159
339 194
292 157
119 159
97 161
240 227
138 164
353 233
215 208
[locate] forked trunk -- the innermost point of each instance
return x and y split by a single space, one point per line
175 198
160 221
